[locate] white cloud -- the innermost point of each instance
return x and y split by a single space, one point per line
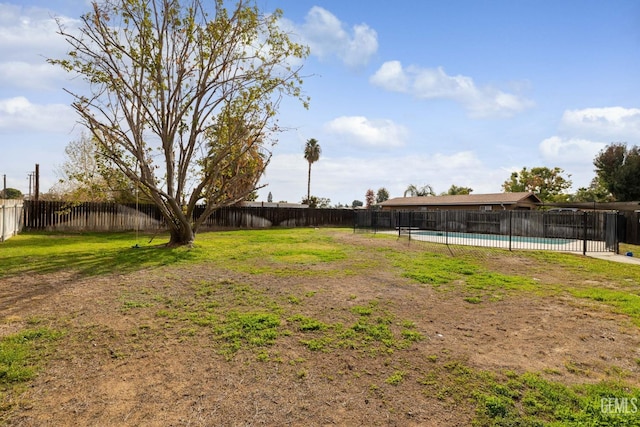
27 38
361 131
583 133
435 83
30 76
568 151
327 36
391 76
26 33
614 124
18 114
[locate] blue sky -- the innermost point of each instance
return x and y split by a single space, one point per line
407 92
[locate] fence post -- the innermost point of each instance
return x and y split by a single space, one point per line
355 220
446 228
4 221
584 233
374 221
510 227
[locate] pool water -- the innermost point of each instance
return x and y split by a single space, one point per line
495 237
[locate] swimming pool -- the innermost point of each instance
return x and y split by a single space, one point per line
494 237
505 241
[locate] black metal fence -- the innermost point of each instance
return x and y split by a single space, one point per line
63 216
542 230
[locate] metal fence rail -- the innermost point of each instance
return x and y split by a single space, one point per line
10 218
559 231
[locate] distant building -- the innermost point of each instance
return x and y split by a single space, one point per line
483 202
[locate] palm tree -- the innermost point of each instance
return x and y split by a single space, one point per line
414 191
312 154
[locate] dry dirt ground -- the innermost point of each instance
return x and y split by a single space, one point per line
127 366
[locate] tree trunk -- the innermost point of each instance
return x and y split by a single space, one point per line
309 185
181 236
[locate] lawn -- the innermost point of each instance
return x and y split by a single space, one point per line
312 327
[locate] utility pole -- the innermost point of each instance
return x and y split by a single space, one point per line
4 186
37 182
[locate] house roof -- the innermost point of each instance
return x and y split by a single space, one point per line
465 199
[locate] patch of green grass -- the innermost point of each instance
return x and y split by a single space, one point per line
512 399
625 302
252 328
20 354
590 268
318 344
396 378
306 324
362 310
276 251
439 269
88 254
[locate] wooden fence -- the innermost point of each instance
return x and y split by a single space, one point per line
11 218
62 216
630 227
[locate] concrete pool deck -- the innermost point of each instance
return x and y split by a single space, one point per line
610 256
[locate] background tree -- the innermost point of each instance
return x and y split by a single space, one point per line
454 190
317 202
87 176
10 193
269 197
356 204
618 169
382 195
548 184
370 198
595 192
312 153
183 97
414 191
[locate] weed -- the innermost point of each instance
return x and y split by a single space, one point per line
396 378
412 336
293 299
307 324
317 344
361 310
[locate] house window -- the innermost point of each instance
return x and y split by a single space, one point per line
486 207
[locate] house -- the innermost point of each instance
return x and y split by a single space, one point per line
483 202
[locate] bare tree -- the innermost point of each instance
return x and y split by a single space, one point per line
183 97
85 176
